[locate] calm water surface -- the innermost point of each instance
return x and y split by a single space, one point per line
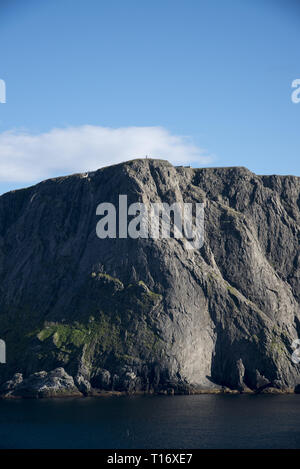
204 421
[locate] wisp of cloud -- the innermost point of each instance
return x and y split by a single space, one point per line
27 158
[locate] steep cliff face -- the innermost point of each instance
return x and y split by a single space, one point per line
149 314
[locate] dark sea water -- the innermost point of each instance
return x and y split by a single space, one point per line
203 421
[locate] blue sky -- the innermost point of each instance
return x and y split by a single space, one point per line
208 81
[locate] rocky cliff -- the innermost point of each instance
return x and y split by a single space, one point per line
148 314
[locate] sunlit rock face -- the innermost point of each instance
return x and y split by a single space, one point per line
149 314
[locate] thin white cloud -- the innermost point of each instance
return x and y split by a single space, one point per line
27 158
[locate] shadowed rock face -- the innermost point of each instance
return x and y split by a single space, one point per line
144 314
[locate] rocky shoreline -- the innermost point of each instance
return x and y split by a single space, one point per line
58 384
